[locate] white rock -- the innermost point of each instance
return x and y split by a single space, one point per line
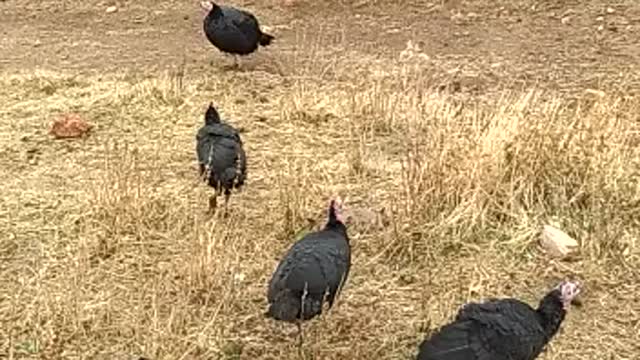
557 242
111 9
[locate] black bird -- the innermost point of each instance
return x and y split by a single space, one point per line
233 31
501 329
312 272
221 156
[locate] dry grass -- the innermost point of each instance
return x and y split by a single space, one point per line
107 251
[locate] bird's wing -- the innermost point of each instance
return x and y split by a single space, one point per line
452 342
309 274
245 22
496 338
508 327
277 282
217 146
339 257
204 145
241 163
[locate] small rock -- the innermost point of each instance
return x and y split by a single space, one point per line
111 9
565 20
600 28
610 10
600 18
557 242
69 126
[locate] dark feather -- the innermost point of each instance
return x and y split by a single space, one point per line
221 157
505 329
314 269
234 31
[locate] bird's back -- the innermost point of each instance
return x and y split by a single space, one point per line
239 16
220 151
232 30
316 265
495 330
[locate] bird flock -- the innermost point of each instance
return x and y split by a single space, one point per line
314 270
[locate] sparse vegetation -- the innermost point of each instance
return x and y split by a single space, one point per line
107 251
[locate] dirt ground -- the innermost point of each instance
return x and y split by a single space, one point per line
564 45
109 254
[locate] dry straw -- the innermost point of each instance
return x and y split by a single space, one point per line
107 251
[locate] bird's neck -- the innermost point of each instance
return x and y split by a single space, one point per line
551 313
216 12
336 225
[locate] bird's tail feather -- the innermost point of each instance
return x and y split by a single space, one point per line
288 307
266 39
285 308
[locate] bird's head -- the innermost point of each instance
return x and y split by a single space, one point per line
211 116
568 290
336 209
208 5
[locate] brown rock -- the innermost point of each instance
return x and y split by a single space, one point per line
69 125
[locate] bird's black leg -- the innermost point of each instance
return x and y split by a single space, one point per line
300 335
227 195
213 202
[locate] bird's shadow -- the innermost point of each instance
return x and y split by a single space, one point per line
240 67
247 65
